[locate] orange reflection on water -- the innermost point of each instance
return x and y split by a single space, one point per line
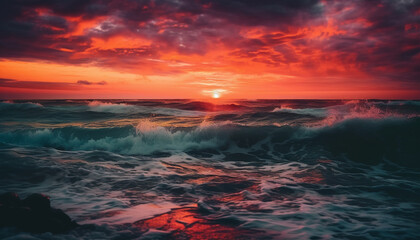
183 168
176 219
187 223
201 231
310 176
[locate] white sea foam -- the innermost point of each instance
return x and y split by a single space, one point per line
317 112
124 108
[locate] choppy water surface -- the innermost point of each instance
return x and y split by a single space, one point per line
183 169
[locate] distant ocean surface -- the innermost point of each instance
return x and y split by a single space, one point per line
185 169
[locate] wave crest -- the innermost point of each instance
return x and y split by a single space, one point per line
364 140
10 105
124 108
146 138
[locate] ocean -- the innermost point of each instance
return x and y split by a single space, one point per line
225 169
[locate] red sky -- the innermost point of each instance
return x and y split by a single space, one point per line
195 48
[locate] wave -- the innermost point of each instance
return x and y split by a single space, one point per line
363 140
146 138
356 109
84 110
317 112
401 103
369 140
98 106
208 107
124 108
9 105
364 110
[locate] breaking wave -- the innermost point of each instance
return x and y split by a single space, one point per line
146 138
354 109
9 105
124 108
365 140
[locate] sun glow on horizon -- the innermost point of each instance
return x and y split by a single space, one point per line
216 95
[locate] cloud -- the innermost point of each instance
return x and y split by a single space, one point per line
46 29
85 82
309 37
265 12
11 83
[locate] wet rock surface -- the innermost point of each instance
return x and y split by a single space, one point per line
33 214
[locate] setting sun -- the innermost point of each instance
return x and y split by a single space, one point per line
216 95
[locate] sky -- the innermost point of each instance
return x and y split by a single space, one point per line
248 49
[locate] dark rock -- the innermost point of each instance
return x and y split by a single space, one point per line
33 214
37 202
10 199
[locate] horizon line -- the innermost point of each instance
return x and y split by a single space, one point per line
210 99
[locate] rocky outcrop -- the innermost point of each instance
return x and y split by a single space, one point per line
33 214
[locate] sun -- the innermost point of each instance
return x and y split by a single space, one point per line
214 93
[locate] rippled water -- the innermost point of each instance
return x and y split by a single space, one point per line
183 169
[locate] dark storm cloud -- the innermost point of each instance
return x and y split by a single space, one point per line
263 12
25 33
384 46
11 9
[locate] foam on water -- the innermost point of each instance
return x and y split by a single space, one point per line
126 108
